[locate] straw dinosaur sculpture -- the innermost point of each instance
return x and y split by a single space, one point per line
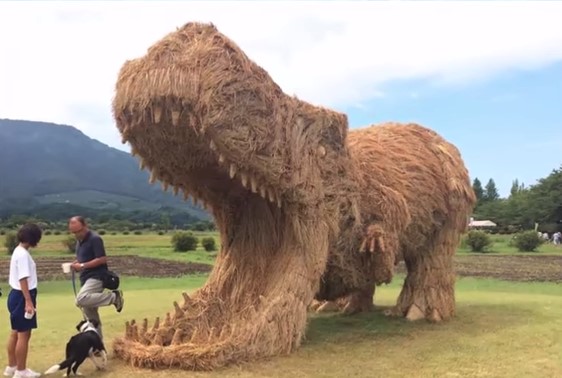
306 210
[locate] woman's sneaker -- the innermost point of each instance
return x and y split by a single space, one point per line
9 371
27 373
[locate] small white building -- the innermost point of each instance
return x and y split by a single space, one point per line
481 223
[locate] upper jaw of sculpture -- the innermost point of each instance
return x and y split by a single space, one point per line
183 155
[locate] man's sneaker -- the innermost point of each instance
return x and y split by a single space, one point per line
27 373
119 300
9 371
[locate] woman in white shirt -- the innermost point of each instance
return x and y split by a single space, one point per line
22 301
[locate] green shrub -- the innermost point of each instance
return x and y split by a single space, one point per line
209 244
160 232
464 242
114 233
527 241
69 244
137 232
512 229
2 232
10 242
478 241
512 241
48 232
184 241
125 232
102 232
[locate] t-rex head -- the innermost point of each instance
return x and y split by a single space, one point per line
207 121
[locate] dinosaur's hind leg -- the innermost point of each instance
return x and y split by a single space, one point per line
428 290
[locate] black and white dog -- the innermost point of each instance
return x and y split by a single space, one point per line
87 343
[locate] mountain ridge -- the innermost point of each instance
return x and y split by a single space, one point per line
40 160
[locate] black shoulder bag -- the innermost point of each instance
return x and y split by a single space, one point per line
110 280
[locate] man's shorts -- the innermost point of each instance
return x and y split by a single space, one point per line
16 308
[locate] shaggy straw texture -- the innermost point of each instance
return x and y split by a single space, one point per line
207 121
287 189
416 199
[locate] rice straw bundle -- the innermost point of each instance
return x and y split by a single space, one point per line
303 208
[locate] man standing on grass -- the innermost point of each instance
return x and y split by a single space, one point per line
91 262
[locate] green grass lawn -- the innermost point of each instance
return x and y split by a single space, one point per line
146 244
502 329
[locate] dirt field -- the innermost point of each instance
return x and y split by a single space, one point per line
545 268
49 268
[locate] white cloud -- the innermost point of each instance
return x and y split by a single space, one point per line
59 60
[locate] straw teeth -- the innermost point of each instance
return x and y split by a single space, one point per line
247 180
157 113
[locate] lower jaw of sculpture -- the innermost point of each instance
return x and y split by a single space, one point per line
211 334
254 305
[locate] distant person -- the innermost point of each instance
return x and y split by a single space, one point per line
557 238
91 262
22 301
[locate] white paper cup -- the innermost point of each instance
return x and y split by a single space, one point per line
66 267
29 315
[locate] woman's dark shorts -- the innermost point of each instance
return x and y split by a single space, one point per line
16 308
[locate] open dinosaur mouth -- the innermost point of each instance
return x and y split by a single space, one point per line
254 303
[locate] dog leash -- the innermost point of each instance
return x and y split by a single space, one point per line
76 295
74 284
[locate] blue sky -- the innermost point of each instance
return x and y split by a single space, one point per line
507 127
487 75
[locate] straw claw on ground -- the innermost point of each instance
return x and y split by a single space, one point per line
414 313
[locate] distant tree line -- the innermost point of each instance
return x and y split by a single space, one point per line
525 206
55 217
540 203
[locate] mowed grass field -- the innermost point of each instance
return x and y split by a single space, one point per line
502 329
